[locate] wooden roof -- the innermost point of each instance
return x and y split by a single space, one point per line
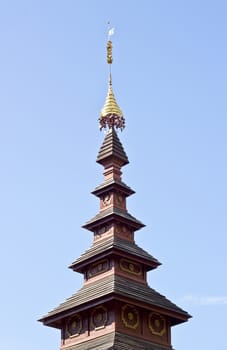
113 244
112 147
113 213
114 287
112 183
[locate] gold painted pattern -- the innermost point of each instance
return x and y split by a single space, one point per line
99 317
130 267
74 326
157 324
130 316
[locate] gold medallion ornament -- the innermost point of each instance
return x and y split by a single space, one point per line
74 326
157 324
130 267
130 316
99 317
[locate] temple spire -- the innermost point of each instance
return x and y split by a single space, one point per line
111 114
115 308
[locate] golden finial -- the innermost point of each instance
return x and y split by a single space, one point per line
109 44
111 114
109 52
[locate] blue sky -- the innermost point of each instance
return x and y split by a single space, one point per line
169 78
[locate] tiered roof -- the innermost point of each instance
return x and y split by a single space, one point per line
113 244
112 148
115 288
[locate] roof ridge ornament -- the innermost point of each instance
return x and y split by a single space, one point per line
111 114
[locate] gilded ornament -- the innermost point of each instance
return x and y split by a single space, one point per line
99 317
109 52
130 316
130 267
74 326
157 324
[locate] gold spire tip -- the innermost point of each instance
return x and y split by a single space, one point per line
109 44
109 52
111 114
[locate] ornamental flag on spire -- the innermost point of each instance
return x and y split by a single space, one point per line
111 32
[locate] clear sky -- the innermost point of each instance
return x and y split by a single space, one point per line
169 78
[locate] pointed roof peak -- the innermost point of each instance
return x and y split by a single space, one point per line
110 105
111 114
112 147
